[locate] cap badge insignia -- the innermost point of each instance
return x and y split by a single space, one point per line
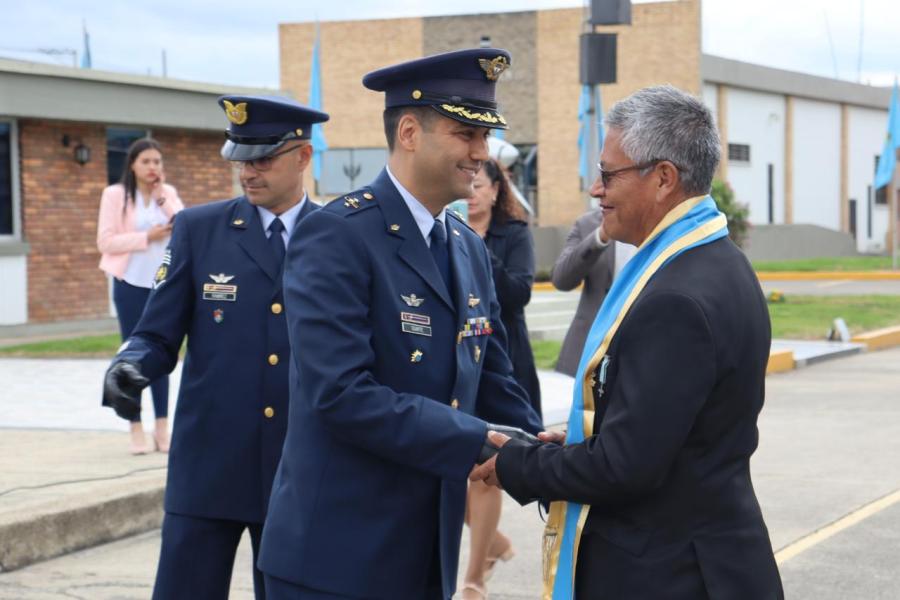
412 300
221 277
236 113
493 68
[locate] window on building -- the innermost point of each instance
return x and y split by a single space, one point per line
880 193
346 169
7 210
117 142
739 152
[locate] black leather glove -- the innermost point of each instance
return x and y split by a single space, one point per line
489 449
122 387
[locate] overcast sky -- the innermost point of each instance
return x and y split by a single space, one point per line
237 43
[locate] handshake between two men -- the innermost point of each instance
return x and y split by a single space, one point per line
498 436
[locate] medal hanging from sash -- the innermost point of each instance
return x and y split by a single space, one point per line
692 223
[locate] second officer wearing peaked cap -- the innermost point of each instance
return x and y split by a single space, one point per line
220 285
390 412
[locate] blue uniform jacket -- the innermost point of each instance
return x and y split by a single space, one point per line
387 407
220 287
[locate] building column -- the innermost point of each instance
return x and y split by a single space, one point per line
722 115
788 160
845 170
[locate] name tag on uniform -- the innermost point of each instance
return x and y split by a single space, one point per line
416 329
219 292
415 323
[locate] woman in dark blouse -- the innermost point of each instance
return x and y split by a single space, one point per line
496 216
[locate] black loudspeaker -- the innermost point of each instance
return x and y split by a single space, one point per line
598 58
610 12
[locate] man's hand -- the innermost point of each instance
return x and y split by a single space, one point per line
487 471
553 437
122 387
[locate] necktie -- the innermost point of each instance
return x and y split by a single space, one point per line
439 251
276 243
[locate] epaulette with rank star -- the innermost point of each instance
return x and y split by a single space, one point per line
352 202
458 220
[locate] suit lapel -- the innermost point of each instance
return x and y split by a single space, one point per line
412 247
245 219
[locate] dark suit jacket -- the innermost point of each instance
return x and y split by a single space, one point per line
582 260
512 260
667 474
225 446
384 425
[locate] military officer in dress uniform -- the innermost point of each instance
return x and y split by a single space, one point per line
220 284
390 411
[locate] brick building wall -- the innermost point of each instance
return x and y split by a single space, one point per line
60 202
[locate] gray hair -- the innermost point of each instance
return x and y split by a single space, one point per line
665 123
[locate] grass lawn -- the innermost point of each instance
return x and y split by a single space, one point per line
546 352
840 263
810 317
94 346
798 317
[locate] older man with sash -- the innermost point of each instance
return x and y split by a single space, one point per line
650 489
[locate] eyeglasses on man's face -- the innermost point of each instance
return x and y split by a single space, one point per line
607 176
266 162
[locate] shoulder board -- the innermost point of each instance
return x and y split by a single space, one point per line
459 221
353 202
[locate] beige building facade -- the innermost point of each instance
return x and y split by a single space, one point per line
797 149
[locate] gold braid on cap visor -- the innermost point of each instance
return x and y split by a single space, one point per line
474 116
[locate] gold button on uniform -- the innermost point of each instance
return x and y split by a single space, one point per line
276 308
454 404
269 412
273 359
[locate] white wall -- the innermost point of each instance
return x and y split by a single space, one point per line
817 163
14 290
757 119
710 97
867 128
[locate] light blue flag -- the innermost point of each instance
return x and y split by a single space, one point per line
588 127
584 104
885 170
317 136
86 56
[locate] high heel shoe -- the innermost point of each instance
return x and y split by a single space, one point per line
490 563
161 441
139 445
472 591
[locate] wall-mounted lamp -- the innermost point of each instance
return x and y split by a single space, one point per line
81 153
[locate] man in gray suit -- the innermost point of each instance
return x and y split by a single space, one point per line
589 256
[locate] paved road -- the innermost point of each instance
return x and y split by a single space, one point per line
829 442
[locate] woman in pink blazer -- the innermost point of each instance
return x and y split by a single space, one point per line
132 232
